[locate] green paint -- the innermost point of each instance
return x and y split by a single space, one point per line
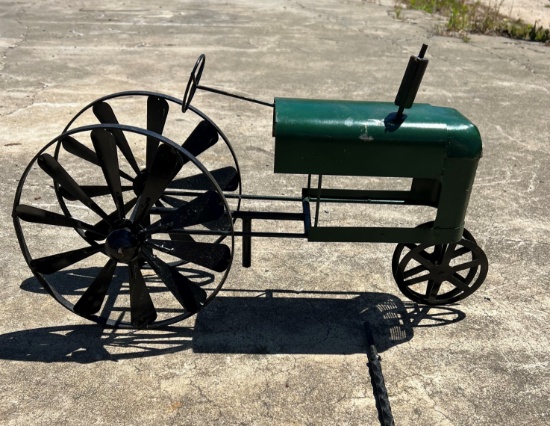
438 147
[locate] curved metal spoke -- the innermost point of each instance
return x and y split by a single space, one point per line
105 114
74 147
142 310
203 137
414 271
36 215
56 262
62 178
105 146
423 258
227 178
468 265
165 167
207 207
458 282
157 111
417 280
433 289
188 294
461 252
93 297
448 254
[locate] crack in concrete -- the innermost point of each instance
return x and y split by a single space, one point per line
24 38
18 43
32 100
205 397
445 416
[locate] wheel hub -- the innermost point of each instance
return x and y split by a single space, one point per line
122 245
443 271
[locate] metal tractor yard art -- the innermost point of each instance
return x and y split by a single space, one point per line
127 227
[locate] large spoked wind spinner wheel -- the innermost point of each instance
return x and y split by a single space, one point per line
124 226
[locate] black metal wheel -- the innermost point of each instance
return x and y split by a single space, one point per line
160 114
148 258
439 274
193 82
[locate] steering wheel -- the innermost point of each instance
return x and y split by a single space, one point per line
193 82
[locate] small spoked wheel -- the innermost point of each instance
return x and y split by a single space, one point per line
139 257
439 274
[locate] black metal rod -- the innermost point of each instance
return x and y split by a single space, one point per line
247 242
364 197
355 201
232 95
319 184
262 197
246 215
235 196
241 234
307 216
423 51
380 392
271 234
286 291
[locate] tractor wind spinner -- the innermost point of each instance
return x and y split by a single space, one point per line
125 227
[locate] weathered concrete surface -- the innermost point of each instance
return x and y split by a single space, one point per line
289 358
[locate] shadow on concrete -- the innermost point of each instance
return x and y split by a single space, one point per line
270 322
85 344
287 322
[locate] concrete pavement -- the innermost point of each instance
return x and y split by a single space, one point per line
260 354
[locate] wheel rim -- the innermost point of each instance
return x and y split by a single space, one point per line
439 274
133 271
397 254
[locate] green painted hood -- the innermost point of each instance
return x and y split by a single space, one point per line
330 137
